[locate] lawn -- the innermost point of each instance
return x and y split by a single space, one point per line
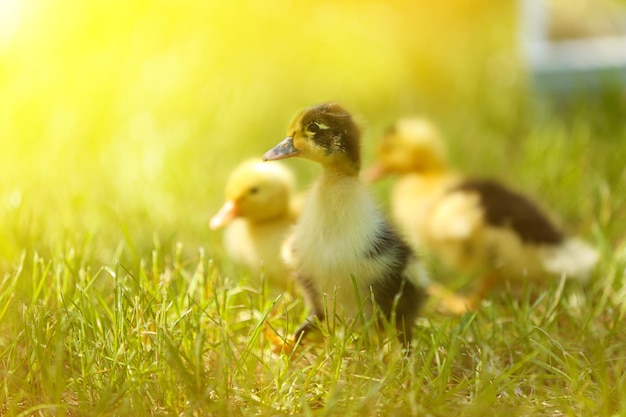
119 124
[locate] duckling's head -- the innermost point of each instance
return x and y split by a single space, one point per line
256 191
326 134
410 145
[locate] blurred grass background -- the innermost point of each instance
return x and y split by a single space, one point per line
130 115
120 121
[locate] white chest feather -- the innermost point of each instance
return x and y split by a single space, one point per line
258 248
337 227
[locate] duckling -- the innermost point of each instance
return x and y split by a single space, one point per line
259 211
474 226
346 255
414 151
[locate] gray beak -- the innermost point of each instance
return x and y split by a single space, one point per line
284 149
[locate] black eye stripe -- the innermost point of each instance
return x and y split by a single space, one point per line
253 190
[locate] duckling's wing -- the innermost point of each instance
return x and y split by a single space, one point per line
476 205
505 208
456 216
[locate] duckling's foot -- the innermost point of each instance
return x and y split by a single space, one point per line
278 343
449 302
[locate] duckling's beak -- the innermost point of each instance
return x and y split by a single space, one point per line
284 149
226 214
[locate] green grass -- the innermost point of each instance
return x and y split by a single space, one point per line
119 125
176 338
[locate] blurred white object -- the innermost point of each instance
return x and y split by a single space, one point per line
571 65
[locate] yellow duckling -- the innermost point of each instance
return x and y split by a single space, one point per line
259 210
474 226
343 250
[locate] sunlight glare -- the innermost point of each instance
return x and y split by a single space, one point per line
9 20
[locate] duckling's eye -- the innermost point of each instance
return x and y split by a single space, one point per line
253 190
313 128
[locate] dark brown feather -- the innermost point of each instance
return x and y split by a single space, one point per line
342 134
506 208
392 290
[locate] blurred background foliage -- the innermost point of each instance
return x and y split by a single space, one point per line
120 121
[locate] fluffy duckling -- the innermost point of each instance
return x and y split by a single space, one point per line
474 226
343 250
258 212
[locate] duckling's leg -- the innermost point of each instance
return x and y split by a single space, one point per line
408 306
314 300
403 298
308 326
449 302
487 283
